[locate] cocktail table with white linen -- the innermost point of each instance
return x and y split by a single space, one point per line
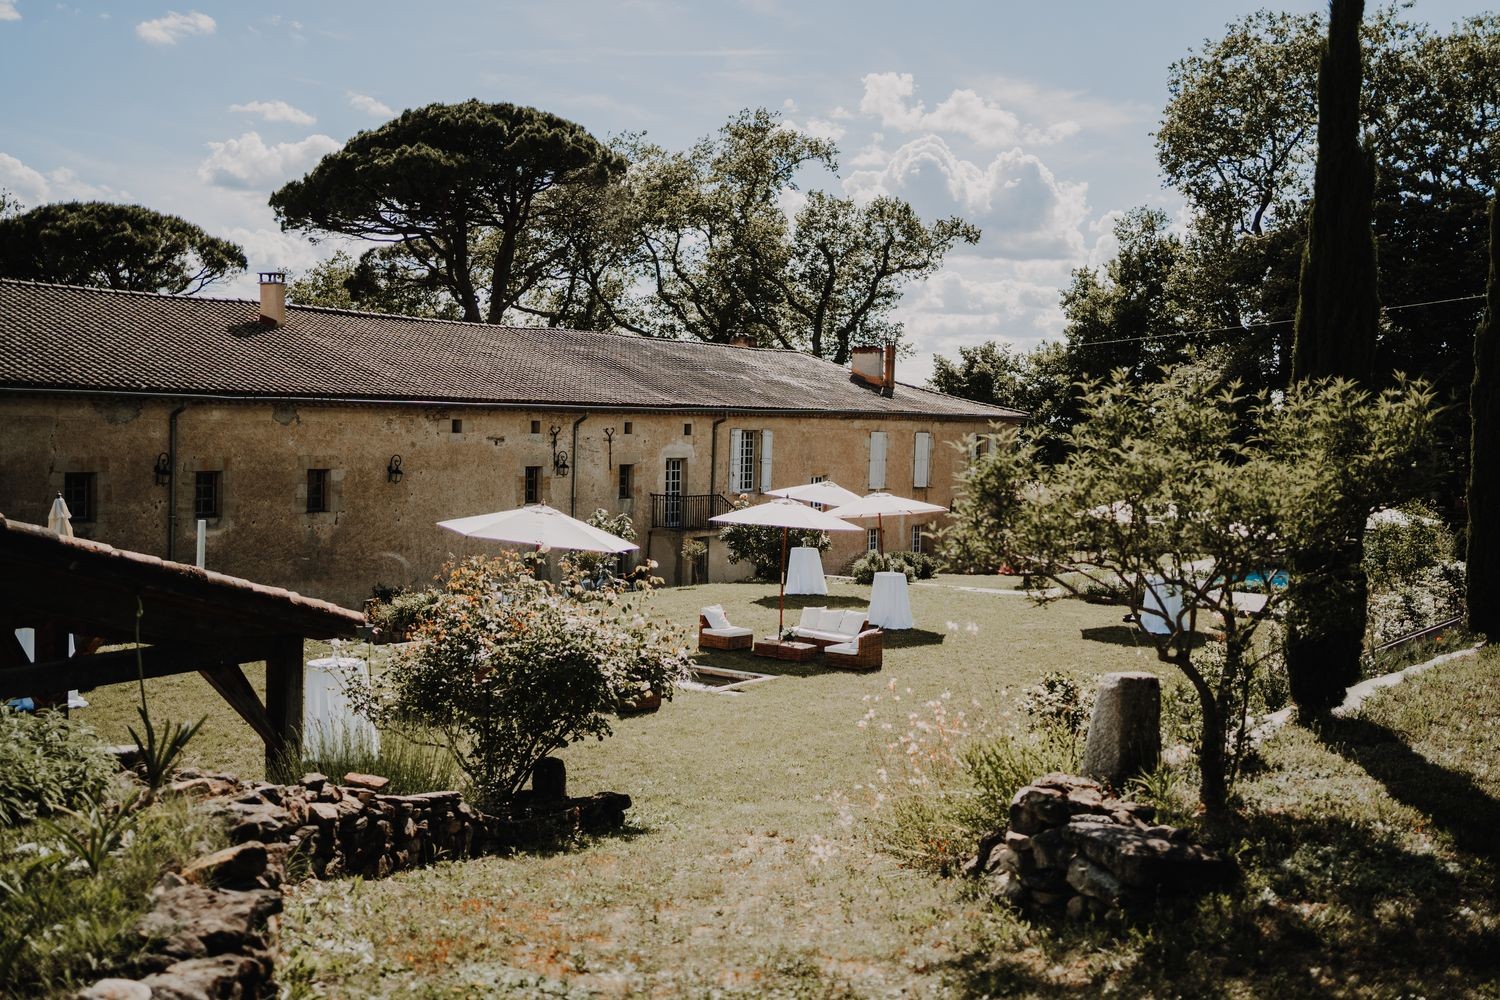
890 607
329 719
804 572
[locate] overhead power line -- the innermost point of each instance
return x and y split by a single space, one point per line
1266 325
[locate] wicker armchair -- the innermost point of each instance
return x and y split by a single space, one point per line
712 638
865 651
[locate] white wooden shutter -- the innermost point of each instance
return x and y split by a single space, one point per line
736 442
765 461
877 460
921 472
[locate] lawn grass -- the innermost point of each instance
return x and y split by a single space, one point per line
748 869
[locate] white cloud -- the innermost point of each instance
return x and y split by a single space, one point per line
247 162
274 111
168 30
8 11
888 97
369 105
1024 210
35 188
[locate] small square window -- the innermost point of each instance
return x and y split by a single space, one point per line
687 430
78 494
536 427
872 539
458 426
629 427
208 494
317 491
627 476
533 484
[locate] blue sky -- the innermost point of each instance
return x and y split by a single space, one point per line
1032 120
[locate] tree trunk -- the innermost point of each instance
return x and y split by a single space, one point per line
1483 557
1337 316
1213 790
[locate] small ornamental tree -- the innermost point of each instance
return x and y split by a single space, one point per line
761 546
1182 487
507 669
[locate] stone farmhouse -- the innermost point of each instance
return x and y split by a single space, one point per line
322 446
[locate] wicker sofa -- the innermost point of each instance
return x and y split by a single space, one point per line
865 651
828 626
724 635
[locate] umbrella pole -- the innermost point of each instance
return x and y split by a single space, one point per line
880 533
781 626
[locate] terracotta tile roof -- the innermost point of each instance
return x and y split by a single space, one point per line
67 337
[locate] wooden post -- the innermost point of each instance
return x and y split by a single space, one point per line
284 698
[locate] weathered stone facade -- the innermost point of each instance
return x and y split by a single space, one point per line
456 460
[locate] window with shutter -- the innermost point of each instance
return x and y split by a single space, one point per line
877 460
765 461
921 473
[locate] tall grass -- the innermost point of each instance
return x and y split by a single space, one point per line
412 766
61 925
48 763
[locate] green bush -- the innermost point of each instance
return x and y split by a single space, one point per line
398 617
762 547
1059 700
48 763
507 669
916 566
61 926
1404 542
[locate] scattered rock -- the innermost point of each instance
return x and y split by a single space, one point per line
373 782
115 989
1074 845
240 866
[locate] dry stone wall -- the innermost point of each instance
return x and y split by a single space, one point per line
210 932
1072 846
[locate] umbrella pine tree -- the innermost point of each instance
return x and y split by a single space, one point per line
1337 316
1483 558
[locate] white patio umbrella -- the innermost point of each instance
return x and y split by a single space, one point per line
60 519
541 526
785 514
878 505
827 493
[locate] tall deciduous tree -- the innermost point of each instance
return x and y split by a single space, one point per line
464 190
1337 315
127 247
1483 558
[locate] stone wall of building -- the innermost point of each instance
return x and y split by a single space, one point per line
455 461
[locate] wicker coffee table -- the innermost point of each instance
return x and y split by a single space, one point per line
781 649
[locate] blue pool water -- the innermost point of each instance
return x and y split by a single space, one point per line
1278 578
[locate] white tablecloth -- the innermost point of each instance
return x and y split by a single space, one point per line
1161 607
328 719
804 572
889 607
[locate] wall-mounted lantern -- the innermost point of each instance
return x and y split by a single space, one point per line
559 456
609 439
163 469
393 471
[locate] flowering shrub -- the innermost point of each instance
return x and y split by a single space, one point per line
592 565
1059 700
508 669
1427 597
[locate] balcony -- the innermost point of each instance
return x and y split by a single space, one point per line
687 512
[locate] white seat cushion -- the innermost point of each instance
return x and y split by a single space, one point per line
728 633
810 616
851 622
830 620
843 647
715 615
817 633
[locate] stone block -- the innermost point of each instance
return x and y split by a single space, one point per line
115 989
549 779
1125 728
372 782
1094 881
233 867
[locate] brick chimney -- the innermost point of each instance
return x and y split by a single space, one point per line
273 297
874 366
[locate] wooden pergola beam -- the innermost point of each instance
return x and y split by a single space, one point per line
84 672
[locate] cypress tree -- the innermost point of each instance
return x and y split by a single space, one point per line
1483 557
1337 315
